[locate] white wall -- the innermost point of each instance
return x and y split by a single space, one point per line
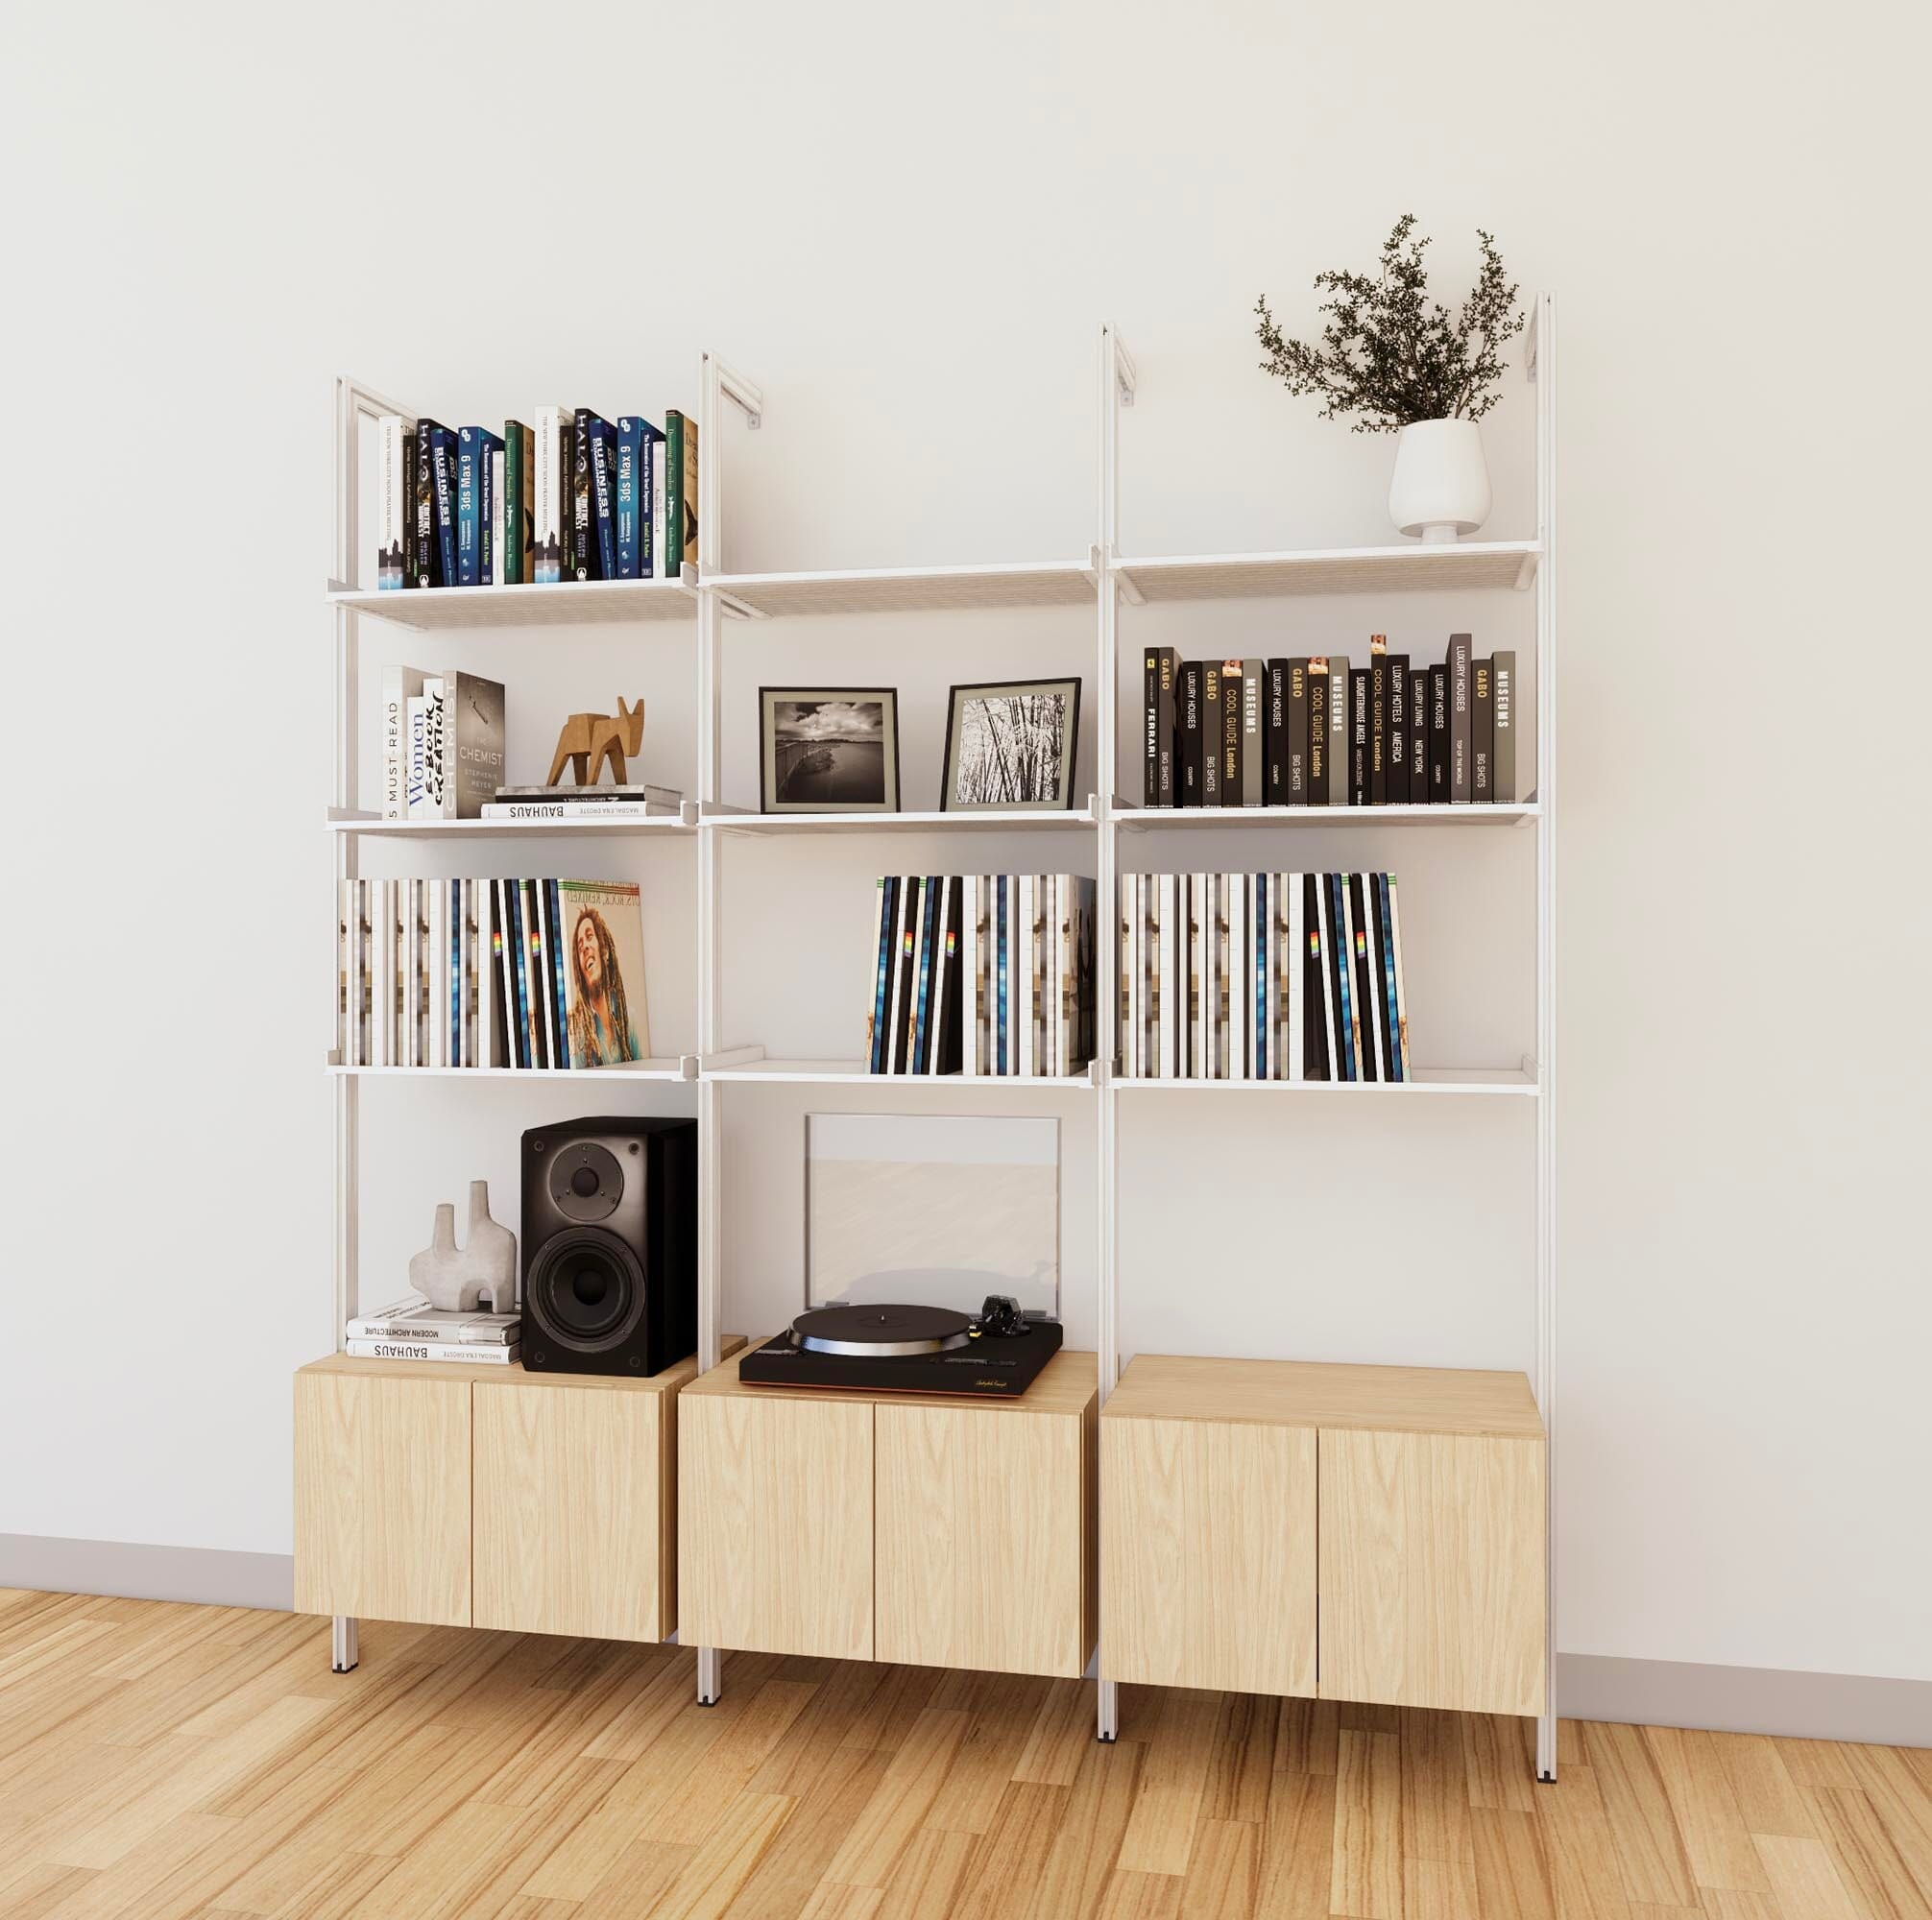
906 228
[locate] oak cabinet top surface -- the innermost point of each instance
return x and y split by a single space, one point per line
485 1373
1068 1383
1306 1393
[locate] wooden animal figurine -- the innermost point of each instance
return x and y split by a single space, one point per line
457 1281
588 740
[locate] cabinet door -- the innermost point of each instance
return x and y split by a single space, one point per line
775 1524
569 1528
981 1539
383 1497
1432 1571
1208 1554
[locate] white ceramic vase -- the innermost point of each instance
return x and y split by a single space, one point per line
1441 487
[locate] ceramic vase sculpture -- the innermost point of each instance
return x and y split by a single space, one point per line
1441 487
455 1280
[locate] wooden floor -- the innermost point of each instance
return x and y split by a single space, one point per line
160 1761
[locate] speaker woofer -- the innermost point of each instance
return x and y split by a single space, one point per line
586 1290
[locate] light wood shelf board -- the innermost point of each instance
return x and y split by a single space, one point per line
1067 1382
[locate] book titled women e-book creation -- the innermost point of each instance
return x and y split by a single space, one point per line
603 933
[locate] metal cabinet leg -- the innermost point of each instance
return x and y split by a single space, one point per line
710 1676
1546 1748
343 1650
1107 1714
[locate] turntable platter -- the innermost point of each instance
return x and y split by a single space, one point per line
880 1332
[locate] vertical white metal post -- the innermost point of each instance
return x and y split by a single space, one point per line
717 383
1116 390
1542 363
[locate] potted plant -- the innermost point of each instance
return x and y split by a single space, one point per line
1403 364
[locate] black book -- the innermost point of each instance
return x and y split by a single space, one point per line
1378 721
1274 730
1503 754
1419 736
586 562
1341 992
1166 780
1295 755
1188 720
1358 736
1368 1015
1230 732
1318 732
882 977
410 570
1388 1018
1399 731
1482 731
1253 732
1313 1001
1458 719
1211 679
1438 735
1150 720
942 1019
903 991
429 548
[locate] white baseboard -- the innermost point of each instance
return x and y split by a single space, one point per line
1745 1699
133 1572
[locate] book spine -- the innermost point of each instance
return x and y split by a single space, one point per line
1295 719
443 481
1378 721
488 508
944 1052
1168 1000
901 974
1437 749
1262 973
1166 696
429 548
469 501
392 495
603 497
1358 736
1230 732
1254 741
558 980
681 515
970 998
1150 721
550 442
1482 731
425 1350
1318 732
1392 998
1460 719
1274 734
428 1332
881 973
688 496
1418 736
498 534
627 494
1338 729
1211 732
582 515
930 891
1318 1015
651 524
1503 754
1401 991
1399 730
1369 1017
1188 722
1294 979
1349 1059
518 503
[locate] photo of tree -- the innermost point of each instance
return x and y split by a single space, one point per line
1012 745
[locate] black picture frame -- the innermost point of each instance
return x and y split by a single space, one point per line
1066 684
885 697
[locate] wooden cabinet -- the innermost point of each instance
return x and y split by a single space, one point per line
461 1496
1360 1533
941 1532
383 1494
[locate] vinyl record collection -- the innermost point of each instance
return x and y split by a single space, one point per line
1315 731
981 974
579 497
1262 976
490 972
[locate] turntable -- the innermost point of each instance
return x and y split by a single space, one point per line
997 1352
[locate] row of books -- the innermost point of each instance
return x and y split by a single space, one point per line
1262 976
981 974
490 972
412 1329
1315 732
576 497
443 744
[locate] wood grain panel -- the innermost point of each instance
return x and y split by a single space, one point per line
1208 1554
382 1496
775 1523
1431 1571
567 1533
980 1538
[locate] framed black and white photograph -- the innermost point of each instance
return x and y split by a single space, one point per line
828 749
1011 744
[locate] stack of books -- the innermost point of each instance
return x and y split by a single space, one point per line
579 497
1315 731
412 1329
442 744
639 801
1262 976
490 972
981 974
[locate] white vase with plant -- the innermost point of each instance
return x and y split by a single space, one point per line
1404 364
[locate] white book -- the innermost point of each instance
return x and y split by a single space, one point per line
1210 978
441 1001
1123 954
1325 933
1066 974
400 685
1195 1052
1296 955
1401 992
1170 975
361 1006
550 495
896 988
664 565
945 964
394 495
1137 987
414 1319
1351 991
345 906
466 965
497 476
383 988
1240 974
431 1350
537 909
1267 967
1009 1039
881 898
1029 974
969 976
409 899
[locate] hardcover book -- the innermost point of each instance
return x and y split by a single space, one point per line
394 501
639 445
1253 746
1232 677
517 552
442 482
1318 732
1419 736
1296 720
1187 717
1378 721
1338 729
1438 735
475 446
1274 732
428 542
1211 732
551 496
592 430
1399 730
1460 720
1358 736
1482 731
400 685
1502 757
602 927
681 493
604 494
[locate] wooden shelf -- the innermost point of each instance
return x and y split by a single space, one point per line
1146 819
563 603
1308 1393
1065 1386
1428 1080
464 830
1467 567
909 589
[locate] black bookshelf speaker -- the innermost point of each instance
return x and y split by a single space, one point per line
609 1246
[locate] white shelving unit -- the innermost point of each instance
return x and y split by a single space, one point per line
1103 580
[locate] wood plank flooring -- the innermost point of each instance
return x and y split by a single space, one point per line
175 1763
